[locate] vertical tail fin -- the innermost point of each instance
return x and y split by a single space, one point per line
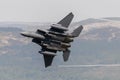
77 31
66 20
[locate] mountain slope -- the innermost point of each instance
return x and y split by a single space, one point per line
99 43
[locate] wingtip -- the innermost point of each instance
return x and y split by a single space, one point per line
46 66
71 13
81 26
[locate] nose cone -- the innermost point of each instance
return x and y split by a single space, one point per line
32 35
24 33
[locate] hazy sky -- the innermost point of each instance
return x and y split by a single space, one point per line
54 10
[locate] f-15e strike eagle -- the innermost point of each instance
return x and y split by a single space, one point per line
55 39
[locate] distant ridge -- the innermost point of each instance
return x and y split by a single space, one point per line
113 18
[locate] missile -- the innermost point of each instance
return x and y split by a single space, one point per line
62 44
60 38
59 26
47 53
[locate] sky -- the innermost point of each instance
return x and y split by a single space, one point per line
54 10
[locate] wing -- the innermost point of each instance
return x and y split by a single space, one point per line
48 60
48 55
63 24
66 20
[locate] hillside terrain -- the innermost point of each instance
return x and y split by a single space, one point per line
99 43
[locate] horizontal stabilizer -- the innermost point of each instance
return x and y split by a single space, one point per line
77 31
66 55
66 20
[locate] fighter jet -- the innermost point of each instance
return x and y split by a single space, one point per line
55 39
